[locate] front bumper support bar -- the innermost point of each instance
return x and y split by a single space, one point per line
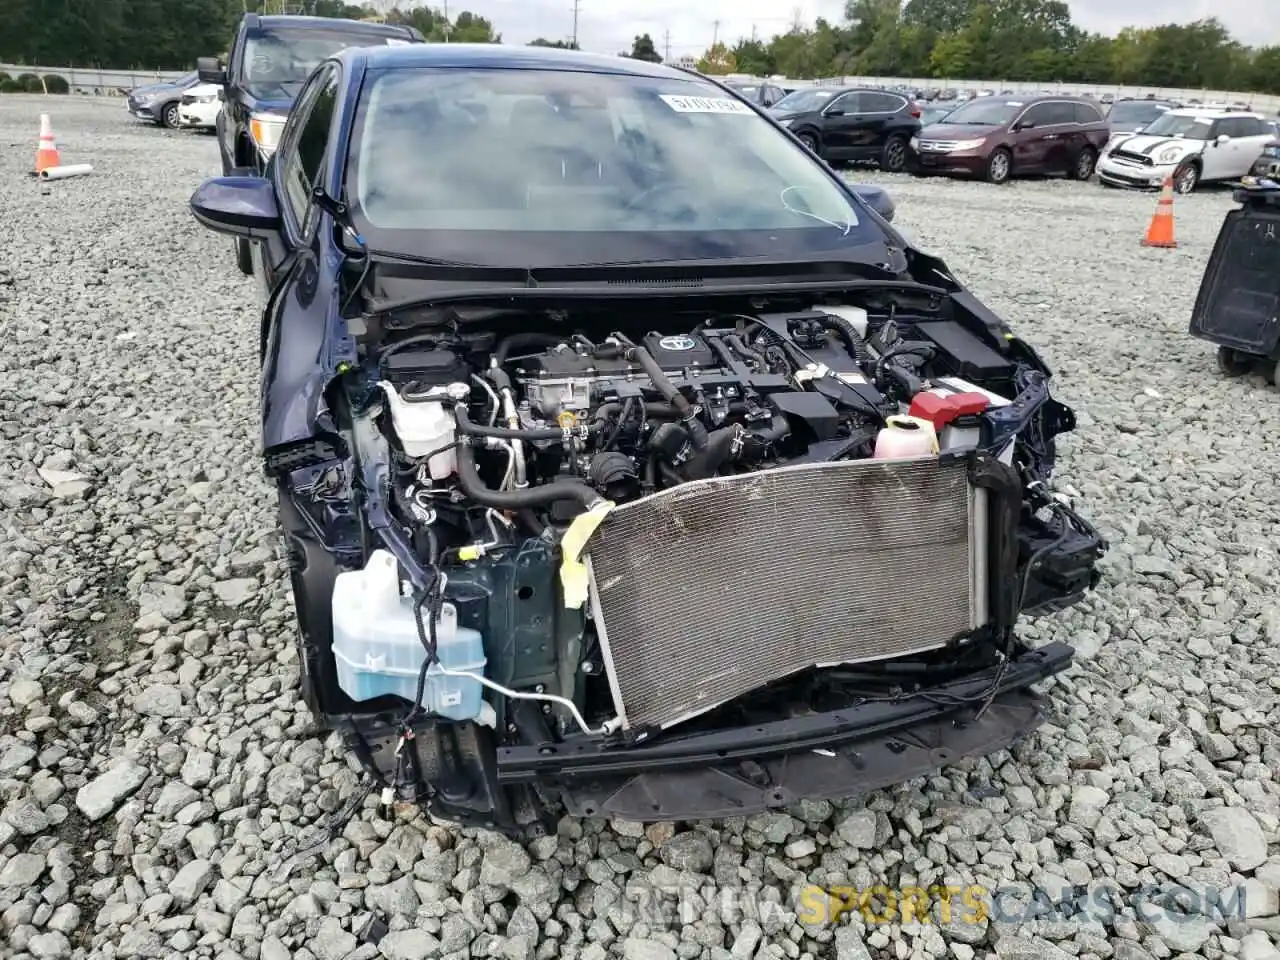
597 758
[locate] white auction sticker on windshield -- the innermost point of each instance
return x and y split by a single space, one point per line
704 104
396 42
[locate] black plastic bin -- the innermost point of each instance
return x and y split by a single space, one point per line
1238 306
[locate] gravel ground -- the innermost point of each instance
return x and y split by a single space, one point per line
157 772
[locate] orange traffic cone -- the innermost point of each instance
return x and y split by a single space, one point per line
1160 232
47 154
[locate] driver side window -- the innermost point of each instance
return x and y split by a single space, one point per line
303 148
846 104
1038 116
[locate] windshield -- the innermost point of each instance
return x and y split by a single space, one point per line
934 115
804 101
1135 114
1180 125
277 61
986 112
499 152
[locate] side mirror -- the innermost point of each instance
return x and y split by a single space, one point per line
1220 139
243 207
210 71
833 112
1023 125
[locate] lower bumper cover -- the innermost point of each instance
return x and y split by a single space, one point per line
745 770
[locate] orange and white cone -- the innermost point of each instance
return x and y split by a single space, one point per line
47 154
1160 232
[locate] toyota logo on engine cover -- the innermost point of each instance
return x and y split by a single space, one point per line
677 343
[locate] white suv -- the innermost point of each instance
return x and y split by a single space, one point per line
1190 145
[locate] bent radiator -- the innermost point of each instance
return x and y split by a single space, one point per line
709 590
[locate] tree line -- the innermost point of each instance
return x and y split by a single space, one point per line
1015 40
171 34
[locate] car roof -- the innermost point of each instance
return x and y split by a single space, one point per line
327 23
1214 113
498 56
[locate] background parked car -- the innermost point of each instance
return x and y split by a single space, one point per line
764 93
998 137
934 113
856 124
271 59
158 102
199 107
1191 145
1130 116
1268 165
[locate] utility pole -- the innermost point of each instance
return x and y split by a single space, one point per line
576 5
715 33
666 46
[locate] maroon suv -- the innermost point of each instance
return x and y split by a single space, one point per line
1000 137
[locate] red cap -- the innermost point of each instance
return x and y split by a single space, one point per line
941 409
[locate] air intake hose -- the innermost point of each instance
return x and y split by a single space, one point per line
718 449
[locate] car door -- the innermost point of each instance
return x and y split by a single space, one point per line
839 119
295 168
878 111
1062 134
232 118
1218 157
1032 138
1255 134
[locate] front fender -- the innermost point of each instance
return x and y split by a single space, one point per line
305 345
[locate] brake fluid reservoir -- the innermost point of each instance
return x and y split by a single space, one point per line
425 426
378 651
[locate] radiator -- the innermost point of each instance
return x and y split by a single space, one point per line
715 588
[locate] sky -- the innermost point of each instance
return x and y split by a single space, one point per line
607 26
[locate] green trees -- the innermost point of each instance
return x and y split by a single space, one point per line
170 34
1028 40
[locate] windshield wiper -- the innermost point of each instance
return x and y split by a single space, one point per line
390 257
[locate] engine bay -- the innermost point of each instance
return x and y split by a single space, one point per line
628 412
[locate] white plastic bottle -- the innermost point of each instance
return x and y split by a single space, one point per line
904 437
378 651
424 426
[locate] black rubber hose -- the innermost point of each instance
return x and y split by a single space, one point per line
847 332
505 433
740 345
711 458
759 439
658 411
549 493
697 432
660 381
